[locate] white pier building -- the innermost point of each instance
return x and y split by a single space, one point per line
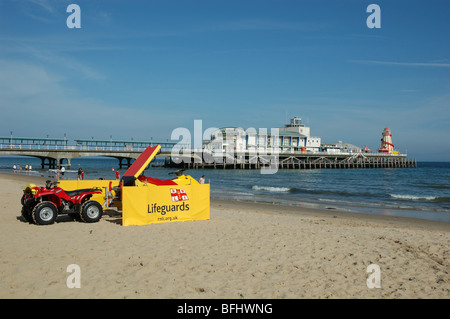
293 137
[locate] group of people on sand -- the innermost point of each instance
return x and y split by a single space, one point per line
18 169
61 172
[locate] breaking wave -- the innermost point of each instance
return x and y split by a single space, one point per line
413 197
271 189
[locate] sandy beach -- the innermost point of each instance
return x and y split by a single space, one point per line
245 251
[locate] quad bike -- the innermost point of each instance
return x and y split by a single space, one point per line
42 205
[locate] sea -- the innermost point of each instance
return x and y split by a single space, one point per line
422 192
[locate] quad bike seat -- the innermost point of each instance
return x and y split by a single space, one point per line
79 191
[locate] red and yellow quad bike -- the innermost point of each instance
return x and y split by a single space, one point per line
42 205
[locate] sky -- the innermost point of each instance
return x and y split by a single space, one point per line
140 69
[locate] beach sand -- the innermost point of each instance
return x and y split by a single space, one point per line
245 250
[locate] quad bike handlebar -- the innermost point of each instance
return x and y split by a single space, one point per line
50 184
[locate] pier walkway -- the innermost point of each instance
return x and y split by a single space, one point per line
58 152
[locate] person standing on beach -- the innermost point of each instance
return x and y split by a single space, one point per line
15 168
117 174
57 174
202 180
63 170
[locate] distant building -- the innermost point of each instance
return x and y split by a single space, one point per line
340 147
293 137
227 139
308 143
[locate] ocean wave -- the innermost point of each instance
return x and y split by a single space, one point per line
67 170
413 197
309 191
271 189
440 186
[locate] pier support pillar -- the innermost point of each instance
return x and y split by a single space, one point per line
121 164
51 162
61 160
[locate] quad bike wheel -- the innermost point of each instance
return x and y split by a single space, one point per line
44 213
91 211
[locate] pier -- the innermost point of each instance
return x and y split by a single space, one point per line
58 152
300 161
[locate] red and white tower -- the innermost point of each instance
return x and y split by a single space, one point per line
386 142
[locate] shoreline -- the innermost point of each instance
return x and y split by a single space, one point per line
244 251
278 207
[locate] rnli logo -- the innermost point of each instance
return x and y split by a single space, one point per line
178 195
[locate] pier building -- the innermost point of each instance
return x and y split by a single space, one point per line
293 137
340 147
306 141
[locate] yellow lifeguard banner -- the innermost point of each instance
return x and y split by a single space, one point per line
156 201
146 205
